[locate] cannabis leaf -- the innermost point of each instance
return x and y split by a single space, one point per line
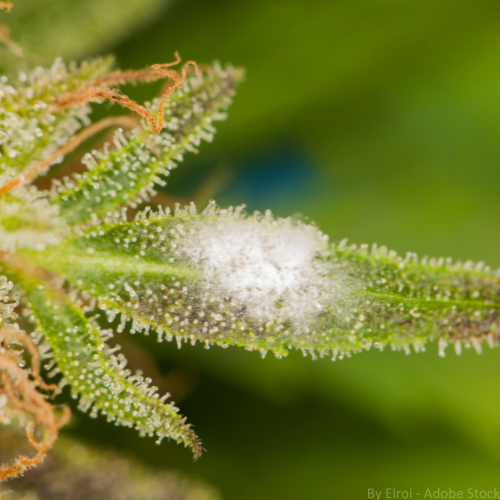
222 278
141 158
96 373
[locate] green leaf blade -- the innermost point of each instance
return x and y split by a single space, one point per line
143 270
127 174
98 375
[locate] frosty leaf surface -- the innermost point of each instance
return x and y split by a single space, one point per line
7 302
28 220
139 158
97 374
31 129
282 286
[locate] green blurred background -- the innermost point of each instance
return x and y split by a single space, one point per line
380 121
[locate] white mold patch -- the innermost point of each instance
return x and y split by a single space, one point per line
271 268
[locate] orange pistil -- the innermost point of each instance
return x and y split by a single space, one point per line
99 90
26 401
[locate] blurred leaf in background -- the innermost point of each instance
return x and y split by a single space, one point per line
380 120
77 472
46 29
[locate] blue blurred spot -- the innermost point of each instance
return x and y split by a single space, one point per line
277 180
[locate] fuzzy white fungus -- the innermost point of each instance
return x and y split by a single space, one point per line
269 267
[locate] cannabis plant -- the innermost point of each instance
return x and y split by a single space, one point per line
88 250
